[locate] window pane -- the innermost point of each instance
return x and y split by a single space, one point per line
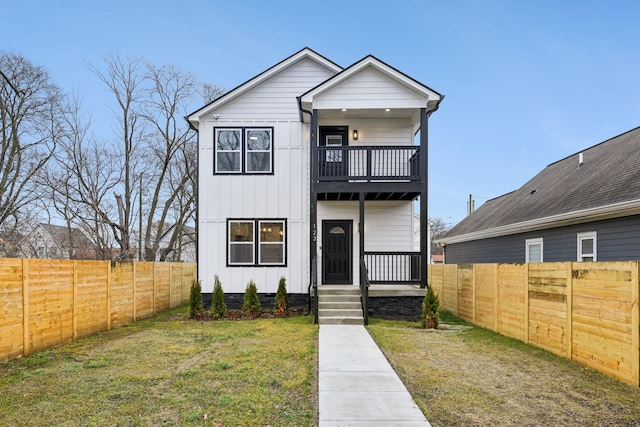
258 139
535 253
337 230
241 242
587 258
587 246
228 139
258 162
272 253
228 162
241 231
271 242
241 253
271 232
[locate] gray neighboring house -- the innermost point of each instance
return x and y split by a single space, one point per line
57 242
585 207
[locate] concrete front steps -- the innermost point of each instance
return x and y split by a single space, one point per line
339 305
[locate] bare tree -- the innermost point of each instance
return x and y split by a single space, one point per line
30 127
165 106
125 80
82 179
438 229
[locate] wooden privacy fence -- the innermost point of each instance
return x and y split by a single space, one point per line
585 311
45 302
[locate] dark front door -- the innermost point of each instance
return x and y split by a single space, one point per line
337 252
334 163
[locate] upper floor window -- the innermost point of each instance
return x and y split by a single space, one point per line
533 250
587 246
243 150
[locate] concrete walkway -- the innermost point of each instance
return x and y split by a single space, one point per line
357 386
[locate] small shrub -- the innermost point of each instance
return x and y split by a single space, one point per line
430 307
281 307
251 304
218 306
195 300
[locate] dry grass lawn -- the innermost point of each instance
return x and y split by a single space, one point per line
462 375
170 371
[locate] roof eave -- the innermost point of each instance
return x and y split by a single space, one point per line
615 210
433 97
306 52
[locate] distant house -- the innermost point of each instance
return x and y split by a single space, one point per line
585 207
55 241
184 249
9 244
310 171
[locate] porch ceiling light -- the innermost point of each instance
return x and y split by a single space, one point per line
355 134
344 109
387 109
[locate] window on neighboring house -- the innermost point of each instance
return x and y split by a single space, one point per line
533 250
587 246
243 150
256 242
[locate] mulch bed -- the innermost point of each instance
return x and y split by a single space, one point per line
264 314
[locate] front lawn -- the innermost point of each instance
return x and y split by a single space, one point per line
170 371
464 375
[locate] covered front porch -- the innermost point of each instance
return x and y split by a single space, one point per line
368 135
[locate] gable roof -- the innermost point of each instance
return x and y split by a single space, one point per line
371 61
65 237
305 53
605 185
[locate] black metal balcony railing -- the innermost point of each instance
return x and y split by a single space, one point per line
393 267
368 163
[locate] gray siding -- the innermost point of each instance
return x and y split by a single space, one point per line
618 240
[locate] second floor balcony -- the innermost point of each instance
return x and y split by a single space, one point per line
390 170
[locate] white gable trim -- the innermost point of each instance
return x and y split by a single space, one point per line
194 118
370 61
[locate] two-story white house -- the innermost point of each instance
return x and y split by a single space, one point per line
309 171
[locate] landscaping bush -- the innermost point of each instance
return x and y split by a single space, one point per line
251 304
196 306
430 306
281 307
218 306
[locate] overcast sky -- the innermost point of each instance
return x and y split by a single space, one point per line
526 83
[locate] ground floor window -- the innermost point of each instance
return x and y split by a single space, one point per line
256 242
587 246
533 250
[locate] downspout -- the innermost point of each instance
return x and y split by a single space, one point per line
309 304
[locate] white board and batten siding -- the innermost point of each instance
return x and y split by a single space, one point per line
388 227
283 195
369 89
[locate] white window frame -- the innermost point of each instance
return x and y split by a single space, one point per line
256 242
218 152
282 243
590 235
243 151
534 242
248 151
230 243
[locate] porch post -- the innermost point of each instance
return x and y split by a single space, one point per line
361 225
424 194
313 197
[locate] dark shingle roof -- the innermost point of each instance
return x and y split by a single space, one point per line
610 174
63 239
